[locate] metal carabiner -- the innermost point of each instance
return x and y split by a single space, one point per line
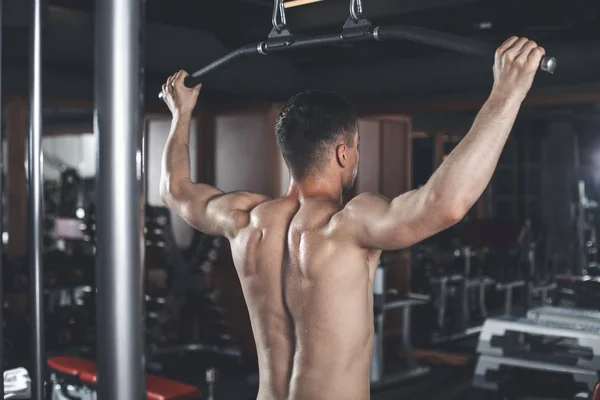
279 21
356 10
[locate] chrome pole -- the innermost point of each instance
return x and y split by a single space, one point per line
118 126
1 220
35 193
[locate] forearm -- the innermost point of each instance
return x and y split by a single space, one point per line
464 175
176 155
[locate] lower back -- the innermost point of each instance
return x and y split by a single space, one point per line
340 373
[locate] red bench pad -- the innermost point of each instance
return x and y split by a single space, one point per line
157 388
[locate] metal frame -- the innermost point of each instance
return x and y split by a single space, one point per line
1 217
119 269
356 29
35 199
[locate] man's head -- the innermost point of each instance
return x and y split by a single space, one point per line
317 132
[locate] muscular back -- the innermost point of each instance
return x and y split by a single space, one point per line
309 295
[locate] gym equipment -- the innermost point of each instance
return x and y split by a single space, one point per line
555 341
572 316
536 288
68 328
2 141
584 218
75 379
211 378
571 344
508 288
488 372
181 283
16 384
379 376
467 287
356 29
34 203
580 291
119 192
165 349
482 260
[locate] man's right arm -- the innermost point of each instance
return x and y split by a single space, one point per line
455 186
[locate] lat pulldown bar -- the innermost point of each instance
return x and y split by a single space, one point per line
356 29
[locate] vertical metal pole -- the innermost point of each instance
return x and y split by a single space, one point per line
508 299
411 361
118 126
443 297
466 290
1 220
35 187
142 179
142 158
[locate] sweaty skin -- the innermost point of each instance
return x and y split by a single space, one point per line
306 264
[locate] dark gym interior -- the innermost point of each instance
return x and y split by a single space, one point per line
503 305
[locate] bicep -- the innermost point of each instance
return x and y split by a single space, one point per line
399 223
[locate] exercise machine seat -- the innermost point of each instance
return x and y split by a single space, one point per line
157 388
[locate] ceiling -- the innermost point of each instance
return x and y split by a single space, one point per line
188 34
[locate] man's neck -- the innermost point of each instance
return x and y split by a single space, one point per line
316 187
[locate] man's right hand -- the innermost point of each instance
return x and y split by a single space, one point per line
180 99
516 64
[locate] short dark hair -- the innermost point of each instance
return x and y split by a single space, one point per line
309 124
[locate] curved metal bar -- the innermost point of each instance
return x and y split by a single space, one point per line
429 37
222 62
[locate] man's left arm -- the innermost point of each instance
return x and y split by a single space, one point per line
202 206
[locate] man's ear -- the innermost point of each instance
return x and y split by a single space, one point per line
341 152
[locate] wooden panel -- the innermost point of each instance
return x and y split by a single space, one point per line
242 161
369 167
396 151
16 185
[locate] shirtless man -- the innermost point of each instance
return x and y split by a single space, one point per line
306 264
